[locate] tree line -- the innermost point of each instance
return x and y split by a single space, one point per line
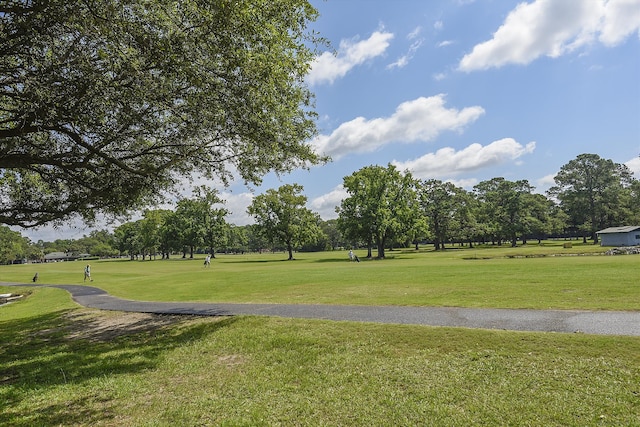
384 208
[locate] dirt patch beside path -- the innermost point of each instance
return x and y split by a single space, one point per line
103 326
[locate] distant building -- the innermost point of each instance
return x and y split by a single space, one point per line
59 256
620 236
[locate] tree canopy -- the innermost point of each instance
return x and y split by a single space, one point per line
282 217
103 103
382 204
591 190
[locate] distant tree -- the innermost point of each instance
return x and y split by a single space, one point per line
97 243
439 203
590 190
504 206
12 245
202 221
381 205
189 213
256 241
632 203
170 234
215 227
149 230
281 217
468 228
237 238
128 240
34 252
103 103
330 228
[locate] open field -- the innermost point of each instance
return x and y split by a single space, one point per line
61 364
532 276
65 365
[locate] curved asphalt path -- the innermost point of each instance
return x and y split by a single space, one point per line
569 321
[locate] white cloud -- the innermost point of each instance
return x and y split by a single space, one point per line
328 67
620 19
404 60
634 166
547 180
467 183
445 43
237 204
326 204
544 183
422 119
553 28
447 162
415 33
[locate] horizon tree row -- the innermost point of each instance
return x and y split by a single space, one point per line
386 208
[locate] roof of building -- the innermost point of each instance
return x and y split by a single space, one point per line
58 255
625 229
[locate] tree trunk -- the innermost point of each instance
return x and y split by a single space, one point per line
290 249
380 245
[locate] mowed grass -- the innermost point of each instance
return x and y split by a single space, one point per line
58 367
531 276
61 364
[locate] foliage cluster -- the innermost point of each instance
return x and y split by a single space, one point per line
104 103
384 205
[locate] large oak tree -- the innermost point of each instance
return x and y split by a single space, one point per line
382 203
505 207
591 191
282 218
105 103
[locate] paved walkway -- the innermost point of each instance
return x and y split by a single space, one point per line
571 321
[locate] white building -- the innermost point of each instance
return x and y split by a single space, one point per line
620 236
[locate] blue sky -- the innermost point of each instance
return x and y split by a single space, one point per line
464 91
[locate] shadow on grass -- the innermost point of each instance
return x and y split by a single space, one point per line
40 355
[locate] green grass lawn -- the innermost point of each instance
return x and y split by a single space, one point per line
61 364
525 277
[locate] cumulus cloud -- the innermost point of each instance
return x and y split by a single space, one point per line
547 180
326 204
467 183
237 204
447 162
634 166
553 28
421 119
328 67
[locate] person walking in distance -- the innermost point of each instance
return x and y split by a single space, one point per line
87 273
